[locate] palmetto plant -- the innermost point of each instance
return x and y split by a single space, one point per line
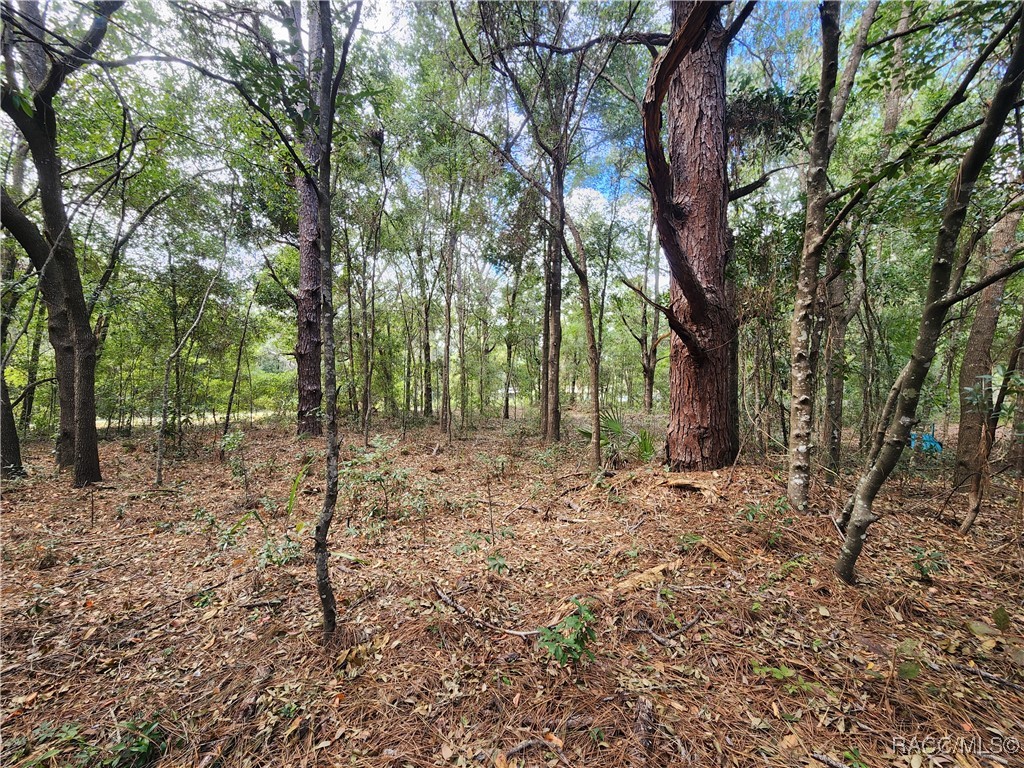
617 439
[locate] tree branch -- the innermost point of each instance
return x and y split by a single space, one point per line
737 23
982 284
666 214
684 333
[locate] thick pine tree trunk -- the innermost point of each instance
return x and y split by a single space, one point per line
703 415
702 426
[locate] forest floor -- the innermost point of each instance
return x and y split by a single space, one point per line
180 625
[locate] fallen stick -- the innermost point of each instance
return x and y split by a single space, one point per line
826 760
475 621
530 743
990 677
643 730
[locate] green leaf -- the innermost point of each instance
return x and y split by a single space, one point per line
909 670
1001 618
981 629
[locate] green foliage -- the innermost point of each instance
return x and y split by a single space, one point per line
475 540
293 491
792 682
617 439
773 515
927 562
372 482
568 642
496 562
279 551
143 743
687 541
137 744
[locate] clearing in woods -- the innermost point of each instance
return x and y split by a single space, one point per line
179 625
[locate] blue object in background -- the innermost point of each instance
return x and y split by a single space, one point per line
925 442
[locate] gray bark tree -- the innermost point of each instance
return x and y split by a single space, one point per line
943 291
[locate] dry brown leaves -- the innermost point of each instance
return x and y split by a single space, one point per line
722 636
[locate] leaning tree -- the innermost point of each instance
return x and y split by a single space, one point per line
44 60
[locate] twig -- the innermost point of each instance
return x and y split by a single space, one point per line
477 622
990 677
643 730
529 743
829 761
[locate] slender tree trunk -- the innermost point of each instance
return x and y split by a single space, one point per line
554 405
353 397
307 346
463 315
650 353
428 388
939 297
1015 456
801 330
450 255
841 310
32 370
161 437
327 78
545 340
979 478
975 381
10 446
510 341
238 361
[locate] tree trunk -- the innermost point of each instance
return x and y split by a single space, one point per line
941 294
32 371
545 339
10 446
510 341
801 330
1015 457
841 310
238 362
450 248
979 478
428 388
53 253
554 405
307 346
975 382
690 210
